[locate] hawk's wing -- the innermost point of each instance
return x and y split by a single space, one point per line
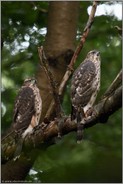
82 83
24 108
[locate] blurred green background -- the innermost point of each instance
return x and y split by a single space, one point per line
99 157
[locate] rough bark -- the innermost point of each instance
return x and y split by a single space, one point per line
61 28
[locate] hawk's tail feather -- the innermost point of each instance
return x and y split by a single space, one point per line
78 115
80 129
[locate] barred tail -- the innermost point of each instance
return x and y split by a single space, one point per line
80 131
80 128
78 114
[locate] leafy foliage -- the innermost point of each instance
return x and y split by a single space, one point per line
98 158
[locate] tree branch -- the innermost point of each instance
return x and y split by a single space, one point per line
42 137
33 3
119 29
105 107
115 84
84 35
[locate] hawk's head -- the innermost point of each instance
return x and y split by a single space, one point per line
93 56
30 82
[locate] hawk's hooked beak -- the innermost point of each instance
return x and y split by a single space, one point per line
98 53
34 81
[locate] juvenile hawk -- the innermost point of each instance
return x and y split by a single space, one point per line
84 88
27 108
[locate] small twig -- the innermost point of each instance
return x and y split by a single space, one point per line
64 81
84 35
50 76
37 6
50 110
119 29
114 85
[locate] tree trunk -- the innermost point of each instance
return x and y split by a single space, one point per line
59 48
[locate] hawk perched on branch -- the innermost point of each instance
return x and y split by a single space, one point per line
27 108
84 88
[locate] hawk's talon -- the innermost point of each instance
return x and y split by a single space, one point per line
94 113
89 112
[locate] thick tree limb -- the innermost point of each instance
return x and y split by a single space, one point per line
43 137
104 108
